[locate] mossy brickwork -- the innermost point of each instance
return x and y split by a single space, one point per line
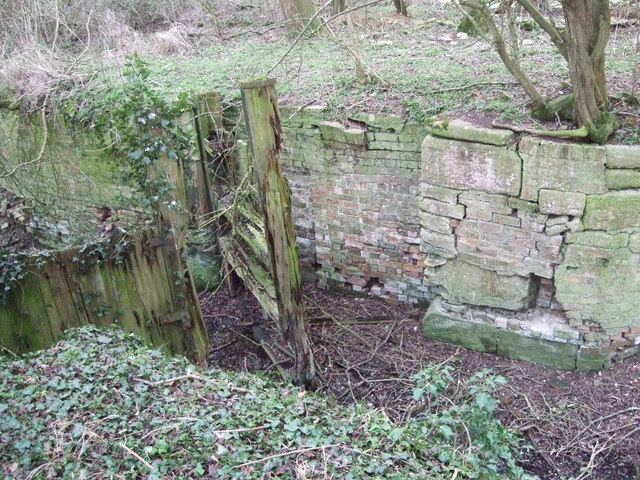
526 237
64 173
530 239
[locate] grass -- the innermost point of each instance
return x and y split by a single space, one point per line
410 58
102 405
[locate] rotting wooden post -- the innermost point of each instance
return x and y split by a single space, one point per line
264 132
207 118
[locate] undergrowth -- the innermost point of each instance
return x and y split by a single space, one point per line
102 405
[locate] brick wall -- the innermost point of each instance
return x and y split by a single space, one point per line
524 247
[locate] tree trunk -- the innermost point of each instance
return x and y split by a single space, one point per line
585 38
298 13
337 6
401 7
264 132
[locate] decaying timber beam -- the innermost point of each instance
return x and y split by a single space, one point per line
264 132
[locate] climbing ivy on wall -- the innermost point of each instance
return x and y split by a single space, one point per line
146 128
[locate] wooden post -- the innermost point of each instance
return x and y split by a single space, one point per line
264 131
207 118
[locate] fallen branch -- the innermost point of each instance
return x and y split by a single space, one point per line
341 324
285 454
466 87
136 456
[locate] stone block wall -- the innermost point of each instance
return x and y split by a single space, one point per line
540 261
524 247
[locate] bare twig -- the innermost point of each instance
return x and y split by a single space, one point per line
286 454
136 456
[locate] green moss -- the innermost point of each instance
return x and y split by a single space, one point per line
602 128
473 23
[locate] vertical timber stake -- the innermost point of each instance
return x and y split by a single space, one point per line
274 197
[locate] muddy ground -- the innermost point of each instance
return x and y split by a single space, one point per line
571 420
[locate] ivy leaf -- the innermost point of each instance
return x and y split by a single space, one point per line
446 431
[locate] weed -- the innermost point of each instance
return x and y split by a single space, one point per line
465 422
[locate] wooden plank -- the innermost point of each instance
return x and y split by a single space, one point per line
140 294
265 135
55 276
32 321
254 276
207 119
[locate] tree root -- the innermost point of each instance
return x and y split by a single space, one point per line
582 132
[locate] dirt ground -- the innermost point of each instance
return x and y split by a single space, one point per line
571 420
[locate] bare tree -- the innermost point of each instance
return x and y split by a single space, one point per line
582 43
337 6
298 13
401 7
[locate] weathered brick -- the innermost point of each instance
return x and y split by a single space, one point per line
443 209
506 220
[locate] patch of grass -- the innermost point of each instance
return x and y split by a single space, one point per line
505 107
100 404
628 135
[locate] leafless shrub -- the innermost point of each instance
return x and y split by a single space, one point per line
30 74
172 41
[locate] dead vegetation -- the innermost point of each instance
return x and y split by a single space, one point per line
580 425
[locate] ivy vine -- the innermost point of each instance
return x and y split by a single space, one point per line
147 130
14 267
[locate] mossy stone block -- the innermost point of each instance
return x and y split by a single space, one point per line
562 203
461 130
593 358
600 285
612 211
634 242
514 345
622 156
562 167
622 179
523 205
380 121
336 132
310 116
204 270
599 239
444 326
466 283
470 166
